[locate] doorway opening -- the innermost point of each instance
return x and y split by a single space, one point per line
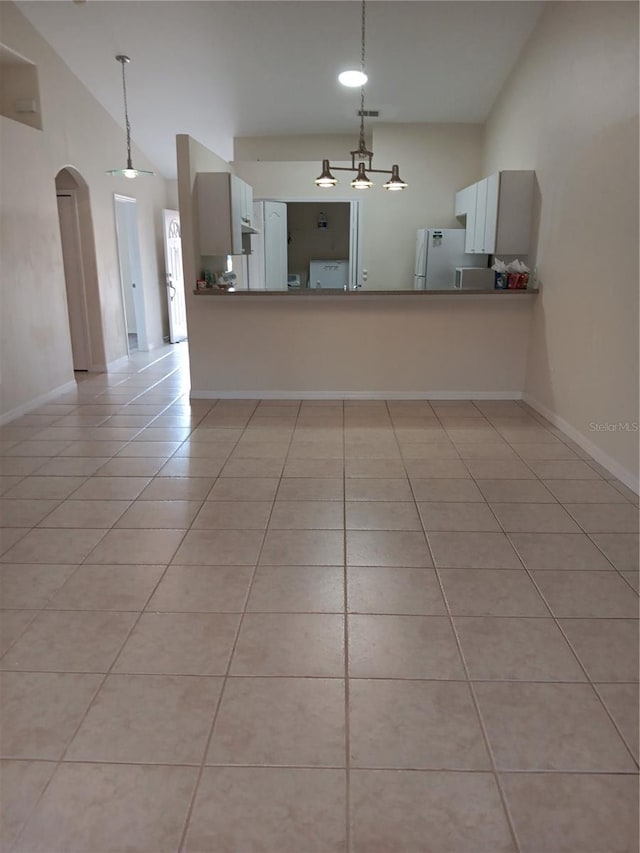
176 302
133 306
80 271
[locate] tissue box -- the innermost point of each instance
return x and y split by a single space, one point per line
500 281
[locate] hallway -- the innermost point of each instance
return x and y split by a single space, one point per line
317 626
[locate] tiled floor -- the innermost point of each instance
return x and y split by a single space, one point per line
321 626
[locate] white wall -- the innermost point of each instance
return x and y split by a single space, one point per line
435 159
35 350
570 111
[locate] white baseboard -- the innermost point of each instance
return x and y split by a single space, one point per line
36 402
625 476
355 395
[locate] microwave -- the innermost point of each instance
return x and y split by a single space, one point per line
474 278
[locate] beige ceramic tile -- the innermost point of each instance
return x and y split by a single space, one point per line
132 467
91 807
588 594
244 489
531 452
622 703
202 588
290 644
584 491
73 466
445 490
190 467
70 641
371 489
563 470
473 551
491 592
84 513
21 784
311 489
177 489
633 579
303 547
160 514
13 623
558 551
418 450
376 468
158 719
389 722
394 591
457 516
499 469
41 710
111 488
550 727
44 488
31 586
287 589
402 810
244 808
566 813
606 518
382 515
24 513
137 546
54 546
620 548
271 721
446 469
515 491
516 649
387 548
607 648
307 515
107 588
252 468
394 647
179 644
17 465
534 518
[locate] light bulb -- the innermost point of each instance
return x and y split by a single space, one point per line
352 78
130 173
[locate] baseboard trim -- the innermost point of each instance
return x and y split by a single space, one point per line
355 395
627 477
36 402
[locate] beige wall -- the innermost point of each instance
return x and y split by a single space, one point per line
35 349
570 111
436 160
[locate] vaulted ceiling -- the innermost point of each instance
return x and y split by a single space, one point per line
217 70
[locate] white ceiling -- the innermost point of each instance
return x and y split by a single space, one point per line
217 70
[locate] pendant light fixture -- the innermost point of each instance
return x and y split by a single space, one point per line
361 158
129 171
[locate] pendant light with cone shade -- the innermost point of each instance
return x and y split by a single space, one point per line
129 171
361 158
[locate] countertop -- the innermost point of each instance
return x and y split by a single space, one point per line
314 293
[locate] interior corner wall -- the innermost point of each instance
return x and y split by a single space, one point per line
35 349
435 159
570 111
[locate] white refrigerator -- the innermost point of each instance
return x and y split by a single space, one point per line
438 252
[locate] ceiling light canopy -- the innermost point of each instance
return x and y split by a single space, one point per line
361 158
129 171
352 78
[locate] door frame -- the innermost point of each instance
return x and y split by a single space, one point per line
355 213
80 294
139 306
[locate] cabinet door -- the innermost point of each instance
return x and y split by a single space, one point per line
462 202
470 233
213 192
481 216
275 245
237 192
491 217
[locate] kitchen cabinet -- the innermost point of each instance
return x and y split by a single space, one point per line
225 212
498 213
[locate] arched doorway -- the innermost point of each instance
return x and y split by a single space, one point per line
80 271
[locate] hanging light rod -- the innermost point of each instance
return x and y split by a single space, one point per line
129 171
361 157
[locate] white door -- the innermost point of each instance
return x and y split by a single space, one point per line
354 244
175 278
275 245
126 210
74 279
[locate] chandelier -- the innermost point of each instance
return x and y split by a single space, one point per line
129 171
361 157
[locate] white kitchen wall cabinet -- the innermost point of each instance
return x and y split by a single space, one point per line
225 211
498 213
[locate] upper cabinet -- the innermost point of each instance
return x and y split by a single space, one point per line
225 210
498 212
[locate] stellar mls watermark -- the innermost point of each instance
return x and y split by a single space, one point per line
620 426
